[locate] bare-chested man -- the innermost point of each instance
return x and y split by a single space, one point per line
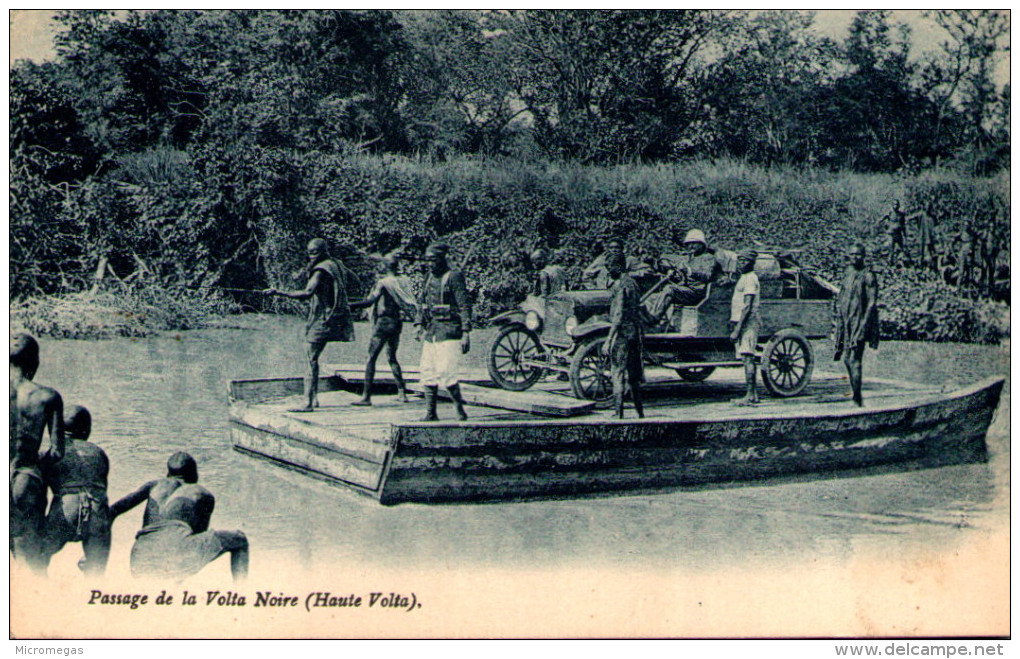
79 511
175 541
390 299
35 410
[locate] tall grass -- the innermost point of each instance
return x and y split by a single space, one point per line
125 311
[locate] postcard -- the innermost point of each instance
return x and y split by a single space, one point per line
332 324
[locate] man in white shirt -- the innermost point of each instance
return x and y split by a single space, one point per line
745 320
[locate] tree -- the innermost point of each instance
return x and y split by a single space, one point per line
763 88
960 78
870 110
610 85
459 82
49 155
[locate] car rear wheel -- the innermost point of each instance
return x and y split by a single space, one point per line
589 373
786 363
694 373
513 345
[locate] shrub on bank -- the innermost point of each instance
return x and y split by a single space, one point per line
245 226
922 308
125 311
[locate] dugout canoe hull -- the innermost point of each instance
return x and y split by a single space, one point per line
383 453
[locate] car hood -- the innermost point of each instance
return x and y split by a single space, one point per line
583 298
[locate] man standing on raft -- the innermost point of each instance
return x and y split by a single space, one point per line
444 325
389 299
329 314
857 317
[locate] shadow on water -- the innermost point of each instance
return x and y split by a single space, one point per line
151 397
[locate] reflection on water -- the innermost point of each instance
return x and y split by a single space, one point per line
151 397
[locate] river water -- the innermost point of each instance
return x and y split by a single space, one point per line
151 397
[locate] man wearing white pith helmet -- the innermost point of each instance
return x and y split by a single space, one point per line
700 269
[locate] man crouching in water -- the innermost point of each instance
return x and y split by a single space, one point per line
34 410
79 511
175 540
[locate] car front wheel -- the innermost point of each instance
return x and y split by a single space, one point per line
513 346
589 372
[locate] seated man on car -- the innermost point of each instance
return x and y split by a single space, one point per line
688 283
596 275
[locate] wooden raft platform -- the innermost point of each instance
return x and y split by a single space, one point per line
691 435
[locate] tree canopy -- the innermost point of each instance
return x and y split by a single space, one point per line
183 143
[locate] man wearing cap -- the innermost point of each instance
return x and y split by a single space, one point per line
745 321
329 314
175 541
35 411
79 511
444 325
856 317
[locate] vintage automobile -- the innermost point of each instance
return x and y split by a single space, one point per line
563 334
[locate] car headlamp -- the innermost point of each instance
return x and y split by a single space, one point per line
571 325
533 321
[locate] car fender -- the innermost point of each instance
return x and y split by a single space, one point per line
589 329
515 316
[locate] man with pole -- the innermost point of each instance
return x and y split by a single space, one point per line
329 314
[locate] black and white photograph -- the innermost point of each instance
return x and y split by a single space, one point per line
504 324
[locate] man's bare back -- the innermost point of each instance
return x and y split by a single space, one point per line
34 410
79 511
170 499
175 540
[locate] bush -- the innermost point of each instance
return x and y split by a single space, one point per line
140 311
922 308
242 217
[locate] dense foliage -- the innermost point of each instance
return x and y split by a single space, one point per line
195 151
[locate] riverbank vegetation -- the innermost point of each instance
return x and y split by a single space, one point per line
168 163
129 312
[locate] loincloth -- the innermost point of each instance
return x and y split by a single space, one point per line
77 513
338 327
171 549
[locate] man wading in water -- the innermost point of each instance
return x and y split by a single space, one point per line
329 314
79 511
34 411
